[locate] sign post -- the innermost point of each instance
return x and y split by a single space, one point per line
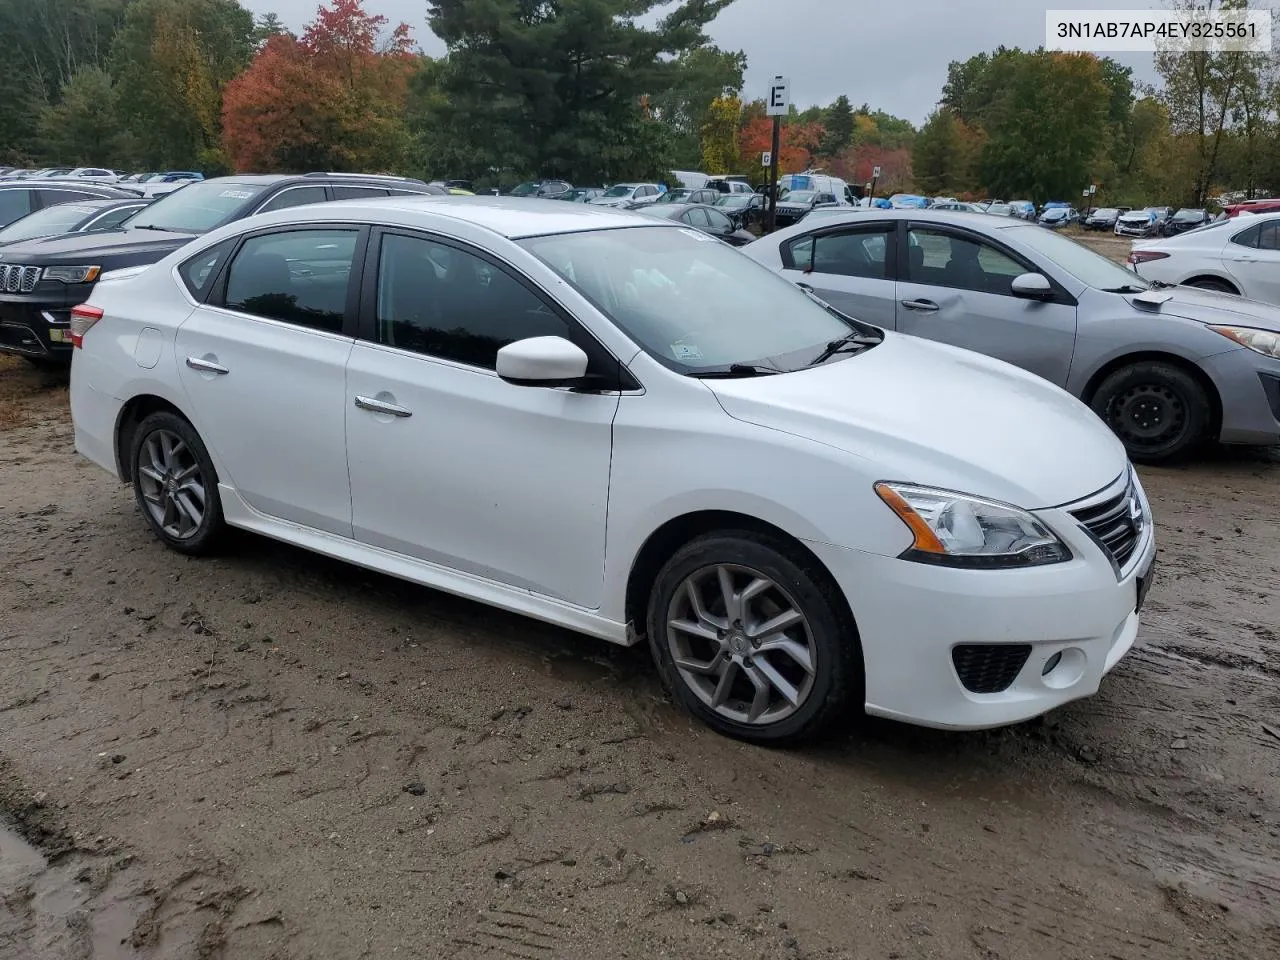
777 105
875 175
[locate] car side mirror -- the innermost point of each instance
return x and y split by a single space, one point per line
542 362
1033 286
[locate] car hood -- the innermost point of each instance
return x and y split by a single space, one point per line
75 247
1210 306
928 413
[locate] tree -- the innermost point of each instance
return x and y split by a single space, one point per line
83 127
268 25
172 59
701 76
332 100
838 121
936 156
798 142
1200 90
720 136
574 89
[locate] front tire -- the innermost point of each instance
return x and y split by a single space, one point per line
175 484
752 637
1159 411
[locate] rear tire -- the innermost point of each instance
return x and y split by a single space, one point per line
1159 411
175 484
772 656
1212 283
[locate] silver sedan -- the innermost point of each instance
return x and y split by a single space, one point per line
1167 368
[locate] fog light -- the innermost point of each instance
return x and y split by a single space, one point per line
1051 663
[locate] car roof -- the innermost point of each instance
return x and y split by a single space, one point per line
510 217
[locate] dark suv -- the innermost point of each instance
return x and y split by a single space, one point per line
41 280
21 197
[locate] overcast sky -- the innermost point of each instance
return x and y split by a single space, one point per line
892 54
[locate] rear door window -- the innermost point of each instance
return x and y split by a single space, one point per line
294 197
14 204
299 277
358 193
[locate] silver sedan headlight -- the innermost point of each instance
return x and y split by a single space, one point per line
958 530
1259 341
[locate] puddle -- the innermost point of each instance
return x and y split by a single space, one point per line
57 912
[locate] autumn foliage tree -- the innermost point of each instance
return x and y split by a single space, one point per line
799 142
720 136
332 99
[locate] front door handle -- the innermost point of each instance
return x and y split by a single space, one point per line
374 405
927 306
206 366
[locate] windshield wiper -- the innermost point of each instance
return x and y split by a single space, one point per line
1127 288
147 226
736 370
847 344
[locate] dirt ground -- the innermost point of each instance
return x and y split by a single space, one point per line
273 756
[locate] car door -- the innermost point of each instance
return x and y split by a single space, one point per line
451 464
1252 257
956 288
849 266
264 365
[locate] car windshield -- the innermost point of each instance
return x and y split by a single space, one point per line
1057 213
1082 263
694 303
619 190
197 207
734 200
673 196
999 209
1105 212
1185 215
524 189
800 196
47 222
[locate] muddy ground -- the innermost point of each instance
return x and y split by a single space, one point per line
273 756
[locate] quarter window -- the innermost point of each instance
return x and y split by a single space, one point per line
357 193
198 272
294 197
298 276
850 253
948 260
444 302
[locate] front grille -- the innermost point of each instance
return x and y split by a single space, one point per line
989 667
15 278
1116 523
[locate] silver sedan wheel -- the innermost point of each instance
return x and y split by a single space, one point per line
172 486
741 644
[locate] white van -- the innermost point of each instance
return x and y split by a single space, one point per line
819 182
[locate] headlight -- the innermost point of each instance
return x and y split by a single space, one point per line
72 274
1259 341
957 530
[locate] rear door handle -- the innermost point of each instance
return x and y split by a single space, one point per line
927 306
207 366
374 405
1245 259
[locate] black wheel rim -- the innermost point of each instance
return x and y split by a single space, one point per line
1148 417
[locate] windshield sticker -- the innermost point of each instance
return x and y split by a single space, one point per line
685 351
697 235
237 194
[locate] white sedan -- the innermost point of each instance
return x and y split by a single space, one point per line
1240 255
621 426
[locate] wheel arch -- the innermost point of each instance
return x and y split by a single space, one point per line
1190 367
131 416
1216 277
663 542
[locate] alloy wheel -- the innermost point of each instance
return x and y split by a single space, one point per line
172 486
741 644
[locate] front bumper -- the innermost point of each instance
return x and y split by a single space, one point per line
1127 231
912 616
1248 385
35 329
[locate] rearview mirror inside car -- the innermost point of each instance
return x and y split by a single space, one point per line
1034 286
542 362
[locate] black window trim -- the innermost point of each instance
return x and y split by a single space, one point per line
888 227
1058 293
216 298
613 375
323 188
1253 227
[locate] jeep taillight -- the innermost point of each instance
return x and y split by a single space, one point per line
82 318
